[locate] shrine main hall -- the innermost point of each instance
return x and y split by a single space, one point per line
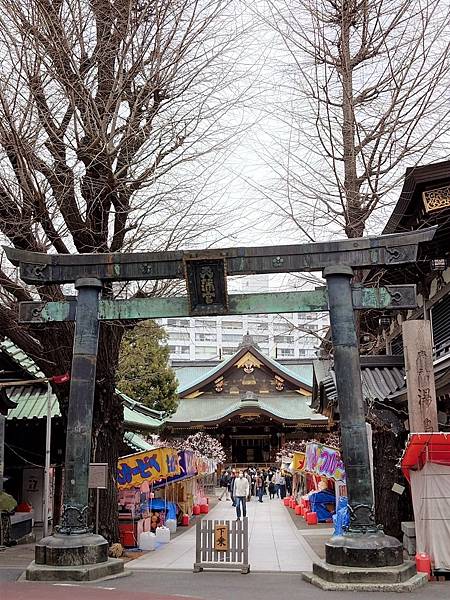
252 403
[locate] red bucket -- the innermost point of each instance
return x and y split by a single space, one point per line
311 518
423 563
185 520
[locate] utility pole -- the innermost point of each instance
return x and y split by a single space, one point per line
48 441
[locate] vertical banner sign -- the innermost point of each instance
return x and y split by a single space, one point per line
418 351
299 461
221 538
206 285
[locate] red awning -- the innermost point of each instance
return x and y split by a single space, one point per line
425 447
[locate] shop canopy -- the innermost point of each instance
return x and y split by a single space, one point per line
425 447
319 460
150 466
161 465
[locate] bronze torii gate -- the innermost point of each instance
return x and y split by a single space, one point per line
205 272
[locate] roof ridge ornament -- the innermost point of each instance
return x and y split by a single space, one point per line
248 341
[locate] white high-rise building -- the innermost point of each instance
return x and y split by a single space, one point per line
295 335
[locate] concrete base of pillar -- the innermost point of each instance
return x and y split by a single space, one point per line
36 572
400 578
61 550
364 550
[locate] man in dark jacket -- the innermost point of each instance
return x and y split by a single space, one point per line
259 485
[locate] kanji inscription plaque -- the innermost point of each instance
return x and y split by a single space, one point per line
221 538
206 285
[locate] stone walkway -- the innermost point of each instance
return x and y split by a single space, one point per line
275 543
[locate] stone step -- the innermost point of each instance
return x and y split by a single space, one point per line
338 574
414 583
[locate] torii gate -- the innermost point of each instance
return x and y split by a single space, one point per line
205 272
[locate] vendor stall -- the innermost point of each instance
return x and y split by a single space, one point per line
157 488
426 464
319 478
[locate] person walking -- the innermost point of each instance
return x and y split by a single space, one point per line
288 478
249 478
259 484
231 486
271 490
276 480
241 489
224 481
282 486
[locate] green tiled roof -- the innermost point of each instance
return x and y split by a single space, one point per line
32 399
289 407
189 377
302 372
31 402
198 374
20 358
296 374
136 442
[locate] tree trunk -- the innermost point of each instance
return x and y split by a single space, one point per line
354 217
107 427
390 508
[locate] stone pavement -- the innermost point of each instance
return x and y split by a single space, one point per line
275 544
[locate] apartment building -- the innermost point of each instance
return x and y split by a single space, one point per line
215 338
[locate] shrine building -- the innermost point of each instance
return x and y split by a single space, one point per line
252 403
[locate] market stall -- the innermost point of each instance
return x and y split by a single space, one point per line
426 465
319 479
157 489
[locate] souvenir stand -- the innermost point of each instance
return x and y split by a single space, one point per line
319 479
158 489
426 465
139 509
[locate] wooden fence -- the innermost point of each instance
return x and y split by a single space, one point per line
222 545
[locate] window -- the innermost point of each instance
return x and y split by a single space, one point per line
177 322
201 352
281 327
228 351
230 337
205 337
231 324
258 326
285 351
283 339
262 326
179 349
205 323
261 338
182 335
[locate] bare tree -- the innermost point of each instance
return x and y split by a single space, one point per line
104 105
364 96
